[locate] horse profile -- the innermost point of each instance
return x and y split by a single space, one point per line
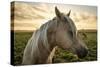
60 31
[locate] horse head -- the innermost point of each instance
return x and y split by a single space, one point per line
66 34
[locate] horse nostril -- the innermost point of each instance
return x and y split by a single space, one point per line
82 52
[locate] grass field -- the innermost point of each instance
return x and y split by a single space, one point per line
21 38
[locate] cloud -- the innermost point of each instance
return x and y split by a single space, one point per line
83 16
21 11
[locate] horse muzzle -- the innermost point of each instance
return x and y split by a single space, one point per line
81 53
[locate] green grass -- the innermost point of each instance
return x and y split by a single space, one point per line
21 39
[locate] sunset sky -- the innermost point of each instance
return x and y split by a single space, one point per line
30 16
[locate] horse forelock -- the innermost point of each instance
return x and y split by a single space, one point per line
72 25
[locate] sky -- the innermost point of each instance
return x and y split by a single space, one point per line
31 15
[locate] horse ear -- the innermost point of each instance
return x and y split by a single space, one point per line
68 14
58 14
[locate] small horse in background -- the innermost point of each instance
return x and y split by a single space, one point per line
60 31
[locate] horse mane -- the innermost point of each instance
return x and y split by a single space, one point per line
41 34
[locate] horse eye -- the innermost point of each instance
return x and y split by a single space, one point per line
71 33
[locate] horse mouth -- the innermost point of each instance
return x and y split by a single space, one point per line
81 53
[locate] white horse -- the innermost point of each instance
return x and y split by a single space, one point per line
61 32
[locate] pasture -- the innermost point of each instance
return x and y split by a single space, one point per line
61 56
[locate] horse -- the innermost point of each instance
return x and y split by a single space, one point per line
58 32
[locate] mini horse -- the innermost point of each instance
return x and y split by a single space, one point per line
61 32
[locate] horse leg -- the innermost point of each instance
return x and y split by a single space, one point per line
49 60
